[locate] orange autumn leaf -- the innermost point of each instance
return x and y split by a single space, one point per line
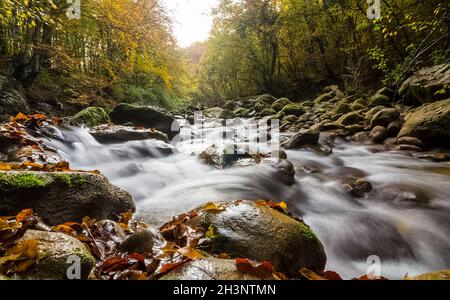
260 270
23 256
191 253
21 216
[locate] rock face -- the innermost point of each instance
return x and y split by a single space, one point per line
56 252
430 123
60 197
12 100
425 84
107 134
258 232
210 269
303 138
144 116
92 116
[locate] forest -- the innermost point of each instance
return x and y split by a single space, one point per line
125 51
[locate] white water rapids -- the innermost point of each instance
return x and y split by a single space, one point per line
405 220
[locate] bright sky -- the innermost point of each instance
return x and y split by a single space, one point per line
193 19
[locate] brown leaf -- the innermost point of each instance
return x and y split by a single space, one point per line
191 253
261 270
21 216
19 258
213 207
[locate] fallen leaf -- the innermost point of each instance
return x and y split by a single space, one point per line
261 270
21 216
191 253
212 207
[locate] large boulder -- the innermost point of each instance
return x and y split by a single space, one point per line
430 123
279 104
384 117
427 85
294 109
12 99
59 197
303 138
350 118
218 113
120 134
144 116
92 116
252 230
57 253
379 99
211 269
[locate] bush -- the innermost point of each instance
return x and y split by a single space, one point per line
144 96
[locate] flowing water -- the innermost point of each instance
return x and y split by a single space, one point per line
405 220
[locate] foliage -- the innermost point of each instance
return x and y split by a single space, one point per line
295 47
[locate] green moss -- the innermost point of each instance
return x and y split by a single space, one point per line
92 116
307 233
71 180
22 181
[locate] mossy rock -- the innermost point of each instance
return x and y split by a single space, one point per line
342 108
279 104
268 112
144 116
294 109
384 117
57 252
430 123
230 105
290 119
247 229
372 112
379 99
241 112
279 116
259 106
325 97
60 197
213 112
267 98
303 138
350 119
121 134
92 116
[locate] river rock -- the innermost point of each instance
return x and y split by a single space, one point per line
12 99
92 116
430 123
294 109
60 197
144 116
284 167
394 128
403 195
425 84
109 134
378 134
409 140
211 269
218 113
302 138
358 188
350 119
379 99
57 252
142 241
246 229
384 117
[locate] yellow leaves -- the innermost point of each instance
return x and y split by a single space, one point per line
19 258
191 253
281 207
212 207
210 233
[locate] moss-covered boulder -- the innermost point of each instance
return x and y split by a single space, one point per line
268 112
427 85
255 231
303 138
259 106
57 253
218 113
144 116
350 119
267 98
384 117
120 134
430 123
212 269
294 109
241 112
325 97
59 197
230 105
342 108
358 105
379 99
279 104
92 116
